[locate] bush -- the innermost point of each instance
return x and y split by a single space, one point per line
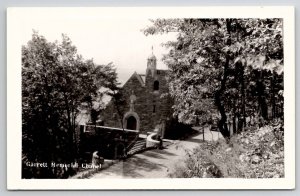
254 153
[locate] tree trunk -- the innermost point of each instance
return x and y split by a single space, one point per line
243 115
273 101
234 123
262 104
70 130
263 107
222 124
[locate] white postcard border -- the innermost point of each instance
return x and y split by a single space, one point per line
14 122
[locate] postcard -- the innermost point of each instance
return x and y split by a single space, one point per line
150 98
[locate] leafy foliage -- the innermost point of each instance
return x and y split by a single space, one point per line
57 85
213 63
255 153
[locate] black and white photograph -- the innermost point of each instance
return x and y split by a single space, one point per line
122 94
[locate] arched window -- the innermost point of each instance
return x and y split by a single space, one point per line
156 85
154 109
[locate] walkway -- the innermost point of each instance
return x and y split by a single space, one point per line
154 163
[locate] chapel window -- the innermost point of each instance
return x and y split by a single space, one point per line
156 85
154 107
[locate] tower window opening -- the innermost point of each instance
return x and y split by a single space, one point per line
156 85
154 107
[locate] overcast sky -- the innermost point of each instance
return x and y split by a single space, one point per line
117 39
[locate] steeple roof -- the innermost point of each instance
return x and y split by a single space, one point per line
151 56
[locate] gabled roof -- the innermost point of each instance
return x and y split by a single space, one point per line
139 77
143 77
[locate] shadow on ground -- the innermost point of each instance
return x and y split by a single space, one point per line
163 152
153 154
136 166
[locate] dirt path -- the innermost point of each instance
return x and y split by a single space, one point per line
153 163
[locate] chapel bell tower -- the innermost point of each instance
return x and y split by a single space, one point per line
151 64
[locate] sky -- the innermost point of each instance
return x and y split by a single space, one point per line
115 39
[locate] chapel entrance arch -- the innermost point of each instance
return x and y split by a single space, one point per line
131 121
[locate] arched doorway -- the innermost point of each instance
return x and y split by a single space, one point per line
131 123
131 120
156 85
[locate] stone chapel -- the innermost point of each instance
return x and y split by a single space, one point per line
147 103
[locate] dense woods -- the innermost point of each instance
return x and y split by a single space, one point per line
57 86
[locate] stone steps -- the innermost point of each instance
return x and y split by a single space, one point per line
138 146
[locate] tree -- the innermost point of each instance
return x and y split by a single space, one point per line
57 85
214 60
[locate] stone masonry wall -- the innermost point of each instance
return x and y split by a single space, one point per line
147 97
